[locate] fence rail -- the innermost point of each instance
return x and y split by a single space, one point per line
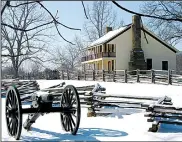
125 76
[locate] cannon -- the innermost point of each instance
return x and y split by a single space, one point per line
69 109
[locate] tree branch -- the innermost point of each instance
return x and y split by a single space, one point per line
61 35
24 30
6 4
54 18
146 15
84 10
20 4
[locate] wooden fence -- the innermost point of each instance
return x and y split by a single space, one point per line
24 87
124 76
158 109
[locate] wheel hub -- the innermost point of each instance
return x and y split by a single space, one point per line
13 112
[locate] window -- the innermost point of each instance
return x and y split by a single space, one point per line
105 49
109 50
112 65
112 47
149 64
164 65
100 48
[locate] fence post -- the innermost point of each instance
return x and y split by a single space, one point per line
114 76
68 75
89 102
85 75
169 77
93 75
152 76
62 74
78 76
138 77
125 76
103 75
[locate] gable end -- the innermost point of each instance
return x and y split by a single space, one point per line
159 40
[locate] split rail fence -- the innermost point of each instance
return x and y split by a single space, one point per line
124 76
98 102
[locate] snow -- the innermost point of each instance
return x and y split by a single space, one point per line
107 36
123 125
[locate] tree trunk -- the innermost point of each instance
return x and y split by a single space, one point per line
16 75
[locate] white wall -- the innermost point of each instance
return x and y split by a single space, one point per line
154 49
123 48
158 52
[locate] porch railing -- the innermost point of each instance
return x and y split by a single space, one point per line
98 55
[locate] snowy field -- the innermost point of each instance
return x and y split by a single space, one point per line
117 127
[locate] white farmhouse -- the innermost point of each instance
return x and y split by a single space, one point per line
131 47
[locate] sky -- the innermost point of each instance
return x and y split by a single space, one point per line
71 13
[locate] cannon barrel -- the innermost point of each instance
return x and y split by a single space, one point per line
47 98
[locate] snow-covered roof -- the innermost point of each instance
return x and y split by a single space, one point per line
108 36
116 32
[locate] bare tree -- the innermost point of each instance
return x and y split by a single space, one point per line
69 56
23 30
170 31
20 46
54 19
35 69
100 15
8 71
167 15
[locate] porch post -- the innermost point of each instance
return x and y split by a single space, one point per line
114 65
102 64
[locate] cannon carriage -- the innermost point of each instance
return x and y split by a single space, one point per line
67 96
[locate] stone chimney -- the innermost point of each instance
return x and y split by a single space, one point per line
137 60
136 31
108 29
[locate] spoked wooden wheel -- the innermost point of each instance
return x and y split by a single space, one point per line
13 113
70 119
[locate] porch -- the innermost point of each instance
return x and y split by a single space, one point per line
100 64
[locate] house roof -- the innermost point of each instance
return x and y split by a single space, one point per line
113 34
109 35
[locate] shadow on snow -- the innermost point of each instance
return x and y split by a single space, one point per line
87 134
170 128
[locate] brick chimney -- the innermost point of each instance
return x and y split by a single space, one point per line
108 29
137 60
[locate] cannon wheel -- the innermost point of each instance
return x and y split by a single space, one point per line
70 99
13 112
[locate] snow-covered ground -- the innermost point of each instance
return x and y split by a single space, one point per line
117 127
